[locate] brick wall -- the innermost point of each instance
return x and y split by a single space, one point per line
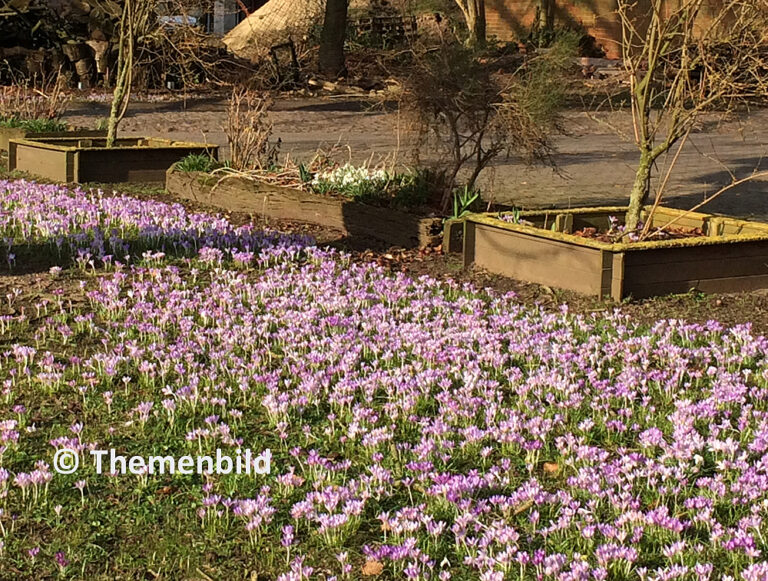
512 19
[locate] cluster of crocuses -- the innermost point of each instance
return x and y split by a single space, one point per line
423 427
93 229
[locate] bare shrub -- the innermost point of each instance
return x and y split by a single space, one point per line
472 115
683 60
153 38
35 99
249 130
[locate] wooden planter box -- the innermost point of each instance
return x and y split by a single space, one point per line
731 257
453 236
236 194
8 133
67 159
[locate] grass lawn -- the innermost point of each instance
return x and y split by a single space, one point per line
418 429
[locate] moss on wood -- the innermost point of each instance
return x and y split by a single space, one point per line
493 220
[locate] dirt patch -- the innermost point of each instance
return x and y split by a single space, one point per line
615 237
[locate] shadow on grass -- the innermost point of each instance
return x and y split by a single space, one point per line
42 256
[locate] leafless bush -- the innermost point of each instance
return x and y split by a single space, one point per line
175 50
683 60
151 35
474 115
35 99
249 130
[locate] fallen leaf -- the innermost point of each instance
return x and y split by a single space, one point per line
372 569
551 468
165 491
523 507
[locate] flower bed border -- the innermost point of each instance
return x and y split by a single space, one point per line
9 133
353 219
72 159
731 257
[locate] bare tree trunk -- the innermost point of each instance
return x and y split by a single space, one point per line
640 190
474 15
547 14
477 34
121 93
332 39
134 19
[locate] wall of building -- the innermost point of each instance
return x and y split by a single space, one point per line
512 19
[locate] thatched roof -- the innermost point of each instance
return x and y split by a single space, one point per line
273 23
278 20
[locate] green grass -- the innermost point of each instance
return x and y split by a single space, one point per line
197 162
34 125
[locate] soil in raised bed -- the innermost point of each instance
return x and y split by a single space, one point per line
667 234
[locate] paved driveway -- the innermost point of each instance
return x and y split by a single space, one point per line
595 163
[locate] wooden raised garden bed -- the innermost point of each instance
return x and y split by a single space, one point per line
68 159
8 133
731 256
356 220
